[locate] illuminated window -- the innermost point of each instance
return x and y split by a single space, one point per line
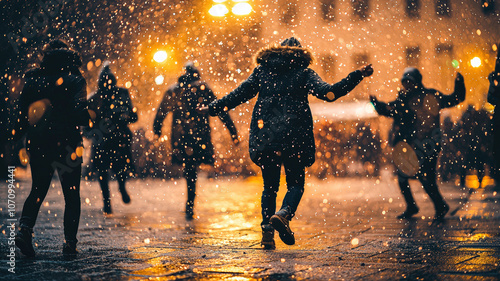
488 6
327 10
289 13
444 63
443 8
413 8
360 8
413 56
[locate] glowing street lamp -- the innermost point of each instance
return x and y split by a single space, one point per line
160 56
218 10
475 62
242 9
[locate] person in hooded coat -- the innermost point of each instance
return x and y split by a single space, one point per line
416 114
52 106
190 134
494 99
112 137
281 129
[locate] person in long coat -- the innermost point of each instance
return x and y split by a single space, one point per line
111 136
416 114
52 106
281 129
494 99
190 134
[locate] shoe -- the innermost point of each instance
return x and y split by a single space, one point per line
125 196
24 242
267 242
441 212
107 207
281 224
410 211
69 249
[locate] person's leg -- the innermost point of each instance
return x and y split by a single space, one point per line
271 177
295 177
104 183
70 182
122 178
41 175
191 176
411 205
428 179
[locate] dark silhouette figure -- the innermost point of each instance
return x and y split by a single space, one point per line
416 113
190 134
494 98
51 107
112 138
473 142
281 130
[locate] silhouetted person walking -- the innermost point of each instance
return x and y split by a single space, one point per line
416 113
281 130
112 139
494 98
51 107
190 135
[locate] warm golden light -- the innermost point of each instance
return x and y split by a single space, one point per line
242 9
218 10
159 79
160 56
475 62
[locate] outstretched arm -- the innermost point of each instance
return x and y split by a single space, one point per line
330 93
244 92
457 96
163 110
382 108
224 116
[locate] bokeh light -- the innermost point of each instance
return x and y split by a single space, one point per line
218 10
160 56
242 9
159 79
475 62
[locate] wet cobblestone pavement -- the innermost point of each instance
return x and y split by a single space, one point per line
345 229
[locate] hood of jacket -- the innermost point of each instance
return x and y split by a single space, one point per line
60 60
106 78
412 74
284 57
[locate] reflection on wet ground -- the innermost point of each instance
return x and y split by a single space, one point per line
345 229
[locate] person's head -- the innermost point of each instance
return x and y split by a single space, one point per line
191 69
57 55
106 76
411 78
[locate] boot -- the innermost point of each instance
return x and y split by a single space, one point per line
107 207
267 242
280 222
410 211
442 211
125 196
69 249
23 241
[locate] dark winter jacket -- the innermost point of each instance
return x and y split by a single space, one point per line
190 134
281 119
494 98
416 113
53 104
111 136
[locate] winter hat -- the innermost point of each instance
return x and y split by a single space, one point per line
191 68
291 42
106 77
54 45
412 74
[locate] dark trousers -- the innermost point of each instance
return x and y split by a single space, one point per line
295 174
427 176
191 175
41 173
104 183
